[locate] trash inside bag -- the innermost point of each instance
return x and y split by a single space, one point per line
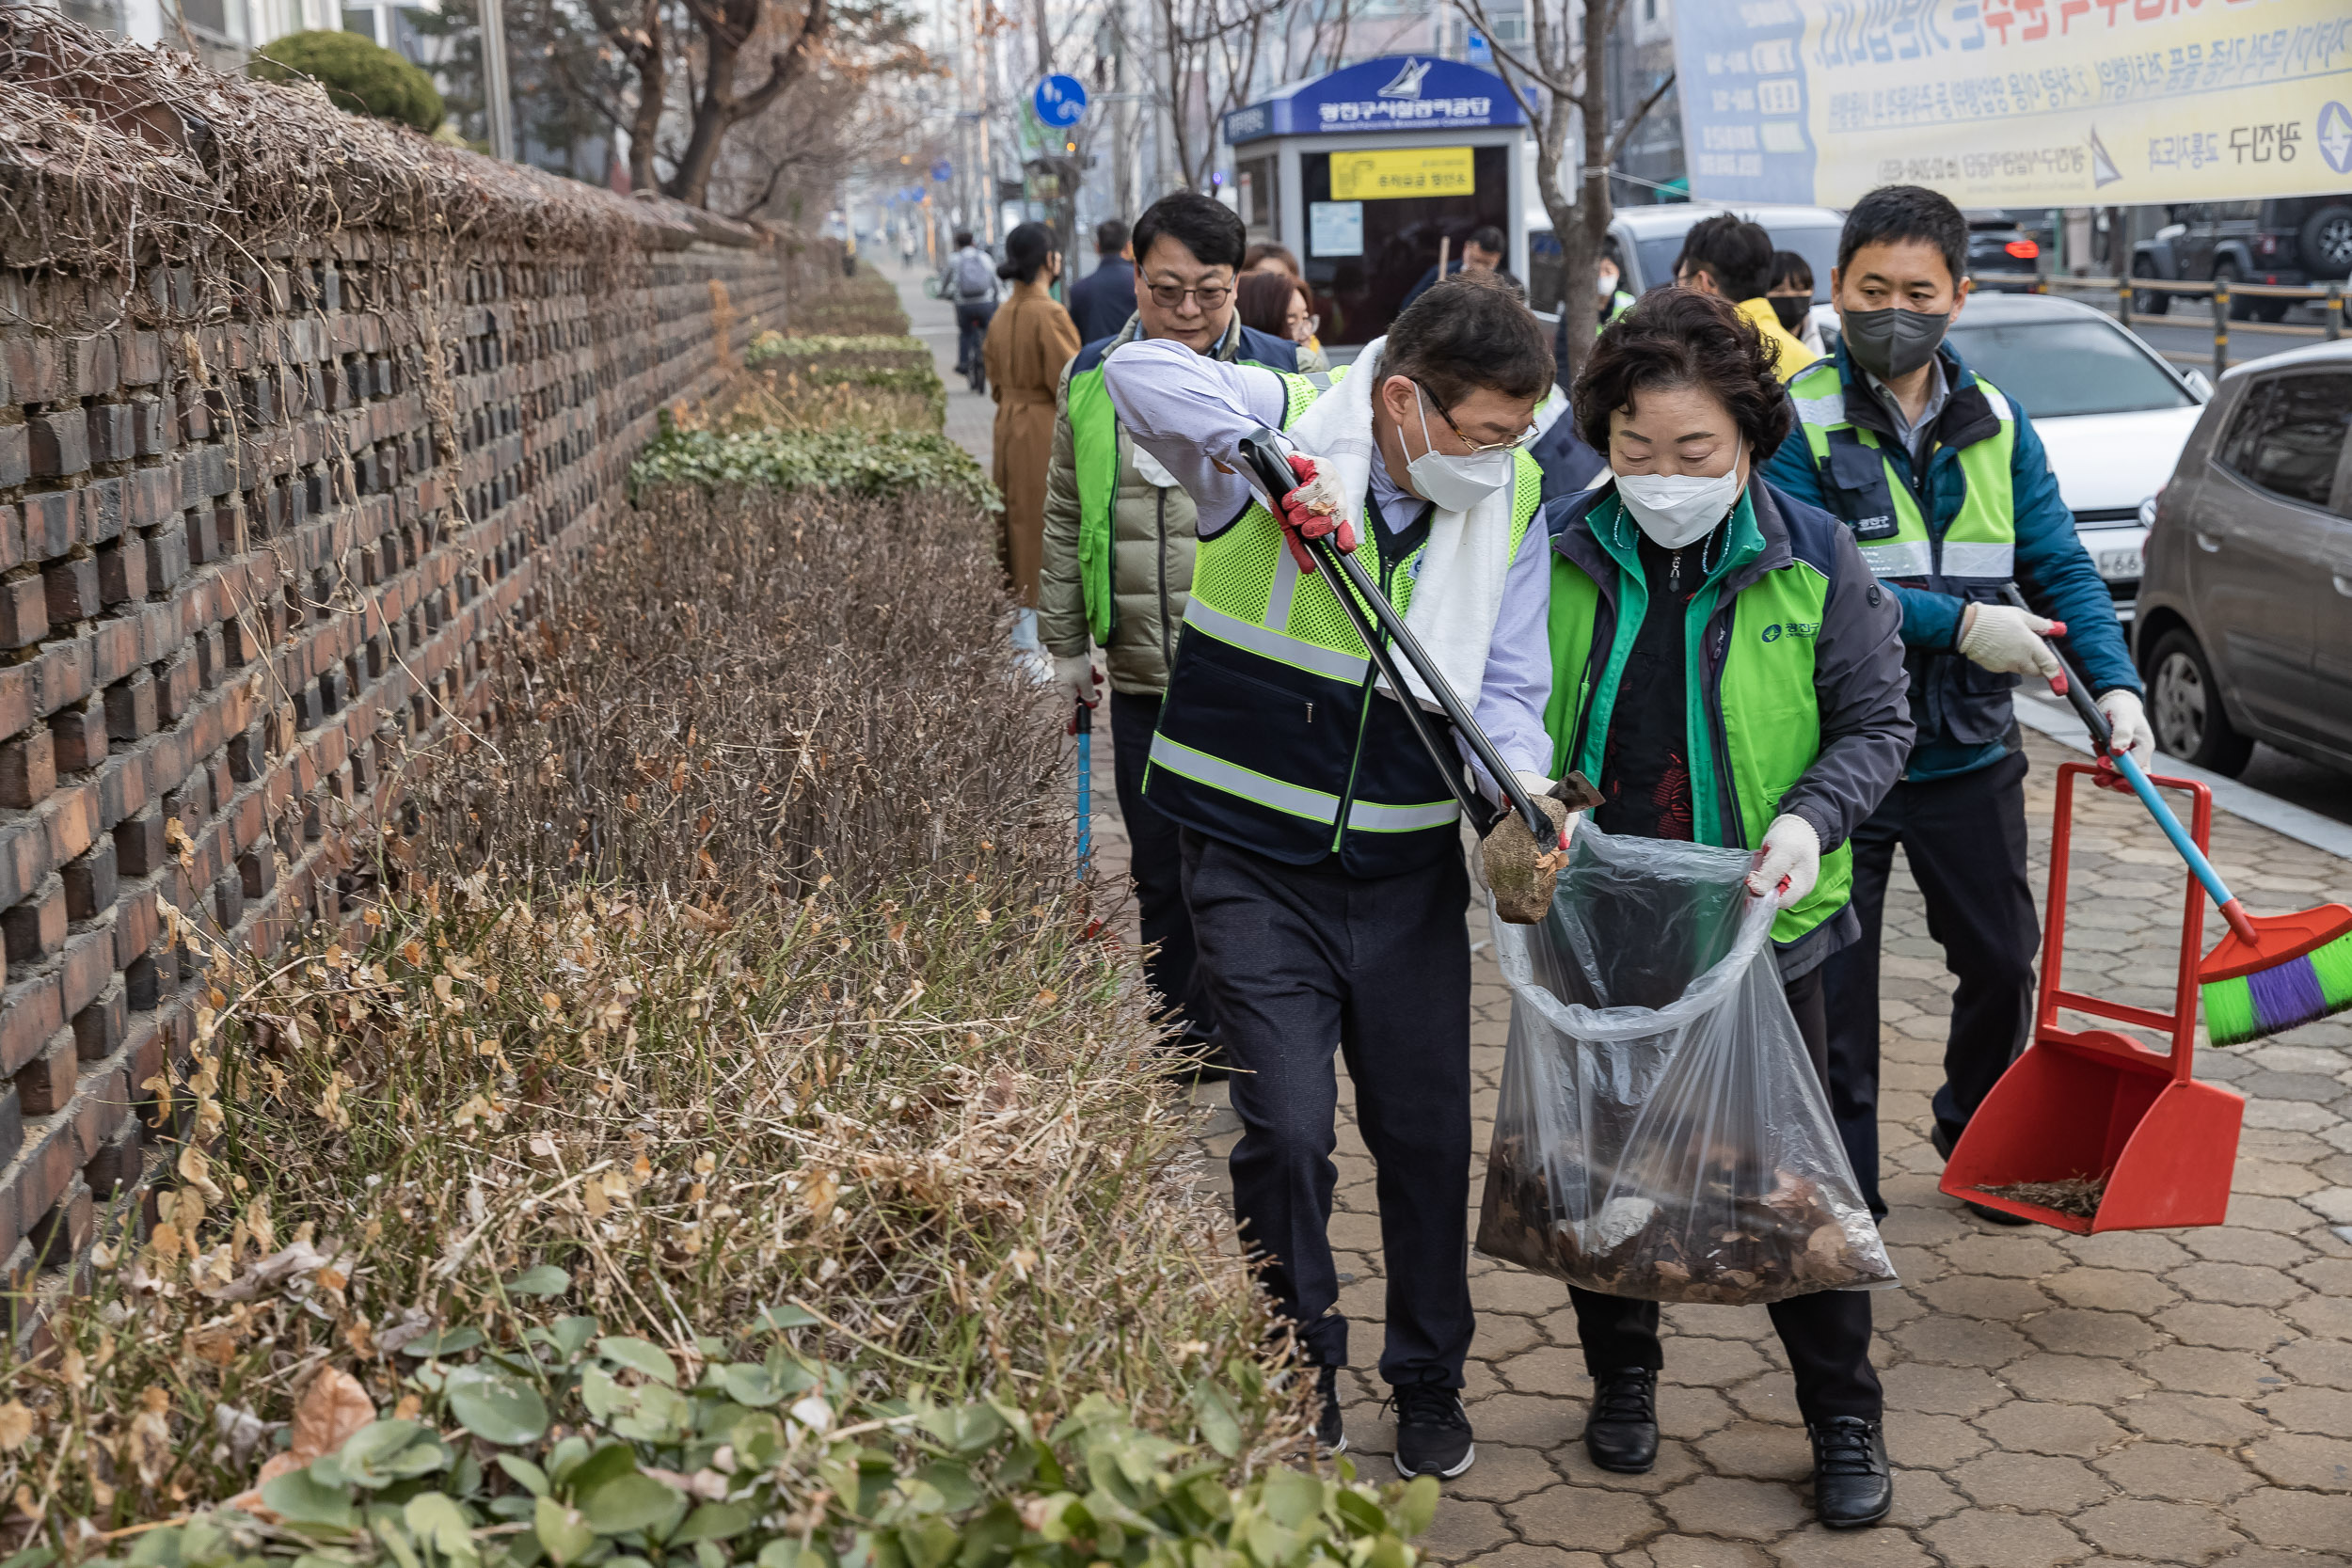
1661 1132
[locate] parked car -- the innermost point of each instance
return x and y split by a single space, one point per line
2111 412
2244 628
2298 241
1647 240
2000 243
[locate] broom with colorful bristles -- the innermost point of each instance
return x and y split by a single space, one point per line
2272 972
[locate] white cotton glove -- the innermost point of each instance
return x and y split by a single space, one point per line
2129 720
2008 642
1078 679
1790 861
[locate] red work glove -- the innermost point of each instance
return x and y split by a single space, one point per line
1311 510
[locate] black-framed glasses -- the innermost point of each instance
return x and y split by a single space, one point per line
1168 296
1477 449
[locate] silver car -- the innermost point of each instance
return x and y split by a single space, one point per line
2245 625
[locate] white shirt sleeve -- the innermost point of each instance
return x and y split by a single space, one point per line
1191 413
1516 687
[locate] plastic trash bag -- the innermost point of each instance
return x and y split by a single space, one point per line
1661 1132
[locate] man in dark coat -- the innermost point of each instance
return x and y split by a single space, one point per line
1102 301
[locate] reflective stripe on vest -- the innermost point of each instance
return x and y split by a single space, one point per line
1364 816
1977 544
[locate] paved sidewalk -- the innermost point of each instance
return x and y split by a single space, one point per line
971 419
2177 1396
2174 1397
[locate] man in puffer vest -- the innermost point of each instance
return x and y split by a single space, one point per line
1946 487
1118 553
1322 843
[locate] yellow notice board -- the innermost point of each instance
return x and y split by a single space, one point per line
1402 171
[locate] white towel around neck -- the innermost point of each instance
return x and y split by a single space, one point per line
1457 593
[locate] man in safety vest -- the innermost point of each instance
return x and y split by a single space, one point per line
1943 483
1119 551
1321 842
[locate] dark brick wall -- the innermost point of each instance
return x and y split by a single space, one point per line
246 572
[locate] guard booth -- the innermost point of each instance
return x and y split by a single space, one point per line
1362 173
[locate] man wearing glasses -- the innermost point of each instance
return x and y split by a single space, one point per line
1322 846
1118 555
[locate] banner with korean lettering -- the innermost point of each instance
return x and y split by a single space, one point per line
2015 103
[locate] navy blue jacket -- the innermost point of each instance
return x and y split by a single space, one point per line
1102 301
2054 571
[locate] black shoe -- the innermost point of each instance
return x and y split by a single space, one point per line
1433 1431
1330 1431
1621 1431
1852 1483
1943 1143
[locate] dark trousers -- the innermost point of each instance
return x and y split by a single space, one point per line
1156 866
1298 960
1964 839
971 326
1827 1334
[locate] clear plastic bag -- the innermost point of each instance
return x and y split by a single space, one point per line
1661 1132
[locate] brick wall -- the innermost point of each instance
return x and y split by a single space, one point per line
248 567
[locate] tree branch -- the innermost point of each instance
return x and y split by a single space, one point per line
1632 121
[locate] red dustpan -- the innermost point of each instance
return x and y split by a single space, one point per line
2095 1104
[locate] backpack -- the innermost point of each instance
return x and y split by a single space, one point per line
975 278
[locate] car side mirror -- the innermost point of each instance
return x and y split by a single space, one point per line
2200 383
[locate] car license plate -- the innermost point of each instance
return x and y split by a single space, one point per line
2119 565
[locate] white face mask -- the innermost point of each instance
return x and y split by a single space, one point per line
1676 509
1454 483
1606 284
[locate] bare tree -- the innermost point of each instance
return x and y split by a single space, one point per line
1215 54
727 28
1558 80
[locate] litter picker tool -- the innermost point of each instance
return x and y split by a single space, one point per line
1082 725
1377 625
2272 972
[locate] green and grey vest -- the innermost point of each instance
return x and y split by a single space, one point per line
1752 723
1971 555
1271 737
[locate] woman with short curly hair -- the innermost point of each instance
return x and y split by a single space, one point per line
1726 670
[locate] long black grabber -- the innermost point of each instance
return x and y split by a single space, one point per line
1267 455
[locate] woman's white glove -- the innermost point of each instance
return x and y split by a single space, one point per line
1790 861
2129 720
2008 642
1078 679
1541 788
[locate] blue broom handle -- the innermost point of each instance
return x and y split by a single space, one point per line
2102 735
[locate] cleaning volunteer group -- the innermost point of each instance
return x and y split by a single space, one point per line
1771 622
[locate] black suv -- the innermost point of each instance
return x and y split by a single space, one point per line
2300 240
2000 243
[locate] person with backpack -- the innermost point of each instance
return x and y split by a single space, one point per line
970 281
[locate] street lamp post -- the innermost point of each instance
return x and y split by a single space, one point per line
497 104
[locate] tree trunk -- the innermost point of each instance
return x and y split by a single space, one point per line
652 87
1579 258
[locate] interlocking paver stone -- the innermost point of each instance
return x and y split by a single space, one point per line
2132 1397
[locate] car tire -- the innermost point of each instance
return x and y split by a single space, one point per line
2242 307
2149 302
2325 243
2184 707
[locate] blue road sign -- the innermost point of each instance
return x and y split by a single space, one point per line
942 171
1061 100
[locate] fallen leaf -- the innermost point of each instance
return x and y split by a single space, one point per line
332 1407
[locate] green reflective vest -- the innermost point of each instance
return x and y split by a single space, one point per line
1271 735
1977 546
1750 718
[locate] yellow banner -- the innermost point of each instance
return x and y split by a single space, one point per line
1403 171
2016 102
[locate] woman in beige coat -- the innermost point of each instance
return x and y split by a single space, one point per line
1028 343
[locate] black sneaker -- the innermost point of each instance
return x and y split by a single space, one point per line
1851 1482
1621 1432
1433 1432
1330 1431
1943 1143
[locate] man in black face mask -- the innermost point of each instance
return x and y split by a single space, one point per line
1950 498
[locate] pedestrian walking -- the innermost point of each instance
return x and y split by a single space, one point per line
1730 673
1730 257
1029 342
1120 539
1946 487
1102 301
970 281
1322 845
